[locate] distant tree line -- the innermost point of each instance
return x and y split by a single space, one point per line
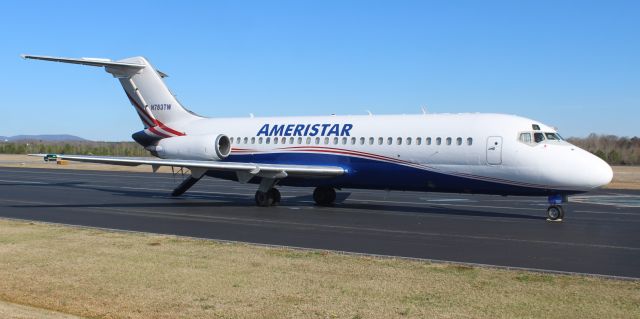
613 149
80 148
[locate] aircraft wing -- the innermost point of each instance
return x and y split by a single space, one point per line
245 171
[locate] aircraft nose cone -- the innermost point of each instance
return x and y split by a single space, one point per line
601 173
579 170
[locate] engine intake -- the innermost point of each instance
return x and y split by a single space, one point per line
193 147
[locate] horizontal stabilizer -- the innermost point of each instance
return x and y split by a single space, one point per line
87 61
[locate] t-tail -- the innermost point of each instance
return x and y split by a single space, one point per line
160 112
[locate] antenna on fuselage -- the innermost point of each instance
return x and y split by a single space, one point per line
251 115
370 114
424 109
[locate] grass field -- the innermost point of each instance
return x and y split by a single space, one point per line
50 271
103 274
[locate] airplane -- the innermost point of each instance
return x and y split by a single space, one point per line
473 153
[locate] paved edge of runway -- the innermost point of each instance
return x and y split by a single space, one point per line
341 252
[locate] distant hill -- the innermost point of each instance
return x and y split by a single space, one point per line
44 138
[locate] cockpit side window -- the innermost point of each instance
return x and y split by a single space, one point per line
525 137
538 137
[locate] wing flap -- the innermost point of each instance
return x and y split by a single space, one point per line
256 169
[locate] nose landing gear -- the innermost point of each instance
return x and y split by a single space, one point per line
555 212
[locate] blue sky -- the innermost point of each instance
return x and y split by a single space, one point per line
571 64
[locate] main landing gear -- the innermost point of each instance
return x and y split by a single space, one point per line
268 198
555 212
324 196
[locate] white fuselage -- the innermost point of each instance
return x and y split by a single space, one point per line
483 153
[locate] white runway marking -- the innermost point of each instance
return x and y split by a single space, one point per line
20 182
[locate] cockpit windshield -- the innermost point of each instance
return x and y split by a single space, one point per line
553 136
538 137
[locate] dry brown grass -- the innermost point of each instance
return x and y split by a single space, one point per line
103 274
625 177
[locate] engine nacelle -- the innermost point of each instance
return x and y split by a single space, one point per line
193 147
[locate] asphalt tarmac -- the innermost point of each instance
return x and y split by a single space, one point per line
600 233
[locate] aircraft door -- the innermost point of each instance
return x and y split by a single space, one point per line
494 150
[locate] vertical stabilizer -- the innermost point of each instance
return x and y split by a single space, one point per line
158 109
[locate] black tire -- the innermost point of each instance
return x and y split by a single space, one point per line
324 196
263 199
274 194
561 211
555 212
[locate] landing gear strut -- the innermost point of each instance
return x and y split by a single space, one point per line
268 198
324 196
555 212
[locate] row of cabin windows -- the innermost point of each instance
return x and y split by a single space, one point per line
352 140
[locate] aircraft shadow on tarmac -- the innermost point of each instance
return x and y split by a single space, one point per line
212 200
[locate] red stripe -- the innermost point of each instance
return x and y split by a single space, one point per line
155 121
153 129
145 117
168 129
363 154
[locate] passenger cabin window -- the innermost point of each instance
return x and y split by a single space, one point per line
308 140
362 141
389 141
344 141
353 141
260 140
399 140
317 140
371 140
380 139
459 141
469 141
268 140
428 141
246 139
448 141
438 141
299 140
335 141
408 141
326 140
418 140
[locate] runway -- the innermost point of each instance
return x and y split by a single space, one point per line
595 238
